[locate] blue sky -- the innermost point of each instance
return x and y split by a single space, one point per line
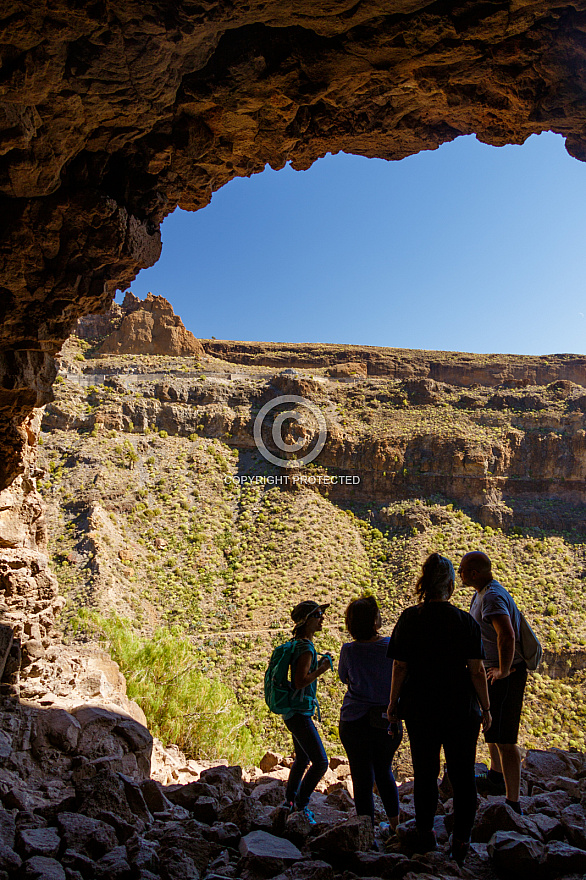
465 248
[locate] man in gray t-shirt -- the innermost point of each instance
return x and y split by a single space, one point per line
495 611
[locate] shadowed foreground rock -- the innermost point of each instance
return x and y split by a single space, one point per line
101 823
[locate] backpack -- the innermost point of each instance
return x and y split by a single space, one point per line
280 695
530 645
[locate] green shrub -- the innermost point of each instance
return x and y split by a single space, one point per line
182 705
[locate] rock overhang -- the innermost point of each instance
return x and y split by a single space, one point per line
112 115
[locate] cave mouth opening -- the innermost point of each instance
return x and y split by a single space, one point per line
469 247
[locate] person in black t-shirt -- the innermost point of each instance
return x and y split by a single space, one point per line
439 688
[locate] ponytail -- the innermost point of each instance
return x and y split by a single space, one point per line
437 579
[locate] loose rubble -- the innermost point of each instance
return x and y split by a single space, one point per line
78 801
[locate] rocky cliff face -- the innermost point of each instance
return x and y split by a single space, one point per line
489 447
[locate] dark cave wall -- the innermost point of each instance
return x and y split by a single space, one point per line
114 113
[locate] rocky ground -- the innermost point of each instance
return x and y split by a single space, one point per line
106 817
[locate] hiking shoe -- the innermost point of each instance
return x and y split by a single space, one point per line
288 805
459 850
384 829
307 814
485 785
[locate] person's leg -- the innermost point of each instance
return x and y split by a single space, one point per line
507 744
510 757
309 740
300 763
383 752
495 758
425 755
507 698
460 750
355 737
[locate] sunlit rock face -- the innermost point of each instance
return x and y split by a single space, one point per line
113 114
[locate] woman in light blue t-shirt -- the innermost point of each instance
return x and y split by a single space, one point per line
364 728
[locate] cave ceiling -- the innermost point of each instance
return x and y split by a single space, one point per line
114 113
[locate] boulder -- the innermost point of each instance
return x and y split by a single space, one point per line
38 842
573 820
7 828
224 833
269 793
124 830
548 827
113 866
175 864
265 854
9 860
187 795
562 858
74 861
143 854
354 835
498 816
60 728
228 780
135 798
154 796
188 836
104 792
545 764
269 761
248 814
297 827
42 868
205 809
340 800
551 803
516 855
85 835
310 870
377 864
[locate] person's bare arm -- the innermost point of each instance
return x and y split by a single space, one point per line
506 646
399 675
303 676
478 676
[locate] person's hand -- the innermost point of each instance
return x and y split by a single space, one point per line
493 673
326 662
486 720
392 713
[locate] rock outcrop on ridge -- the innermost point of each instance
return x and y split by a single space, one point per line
148 326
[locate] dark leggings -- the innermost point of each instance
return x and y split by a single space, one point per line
426 738
309 752
370 753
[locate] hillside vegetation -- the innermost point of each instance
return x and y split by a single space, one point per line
151 531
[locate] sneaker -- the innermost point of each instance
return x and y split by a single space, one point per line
308 814
288 805
385 830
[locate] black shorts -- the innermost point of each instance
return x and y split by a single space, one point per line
506 702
